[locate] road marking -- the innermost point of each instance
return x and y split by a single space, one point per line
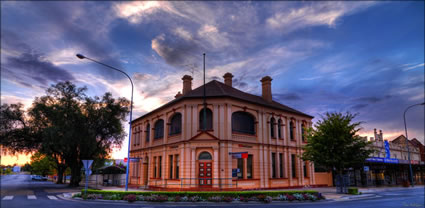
52 197
8 198
31 197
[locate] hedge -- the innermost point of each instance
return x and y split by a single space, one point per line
204 194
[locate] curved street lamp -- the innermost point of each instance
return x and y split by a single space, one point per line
80 56
407 143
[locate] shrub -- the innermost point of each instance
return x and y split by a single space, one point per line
215 198
268 199
140 198
282 198
92 196
243 199
312 197
177 198
195 199
290 197
76 195
112 197
130 198
298 197
353 190
227 199
261 197
185 199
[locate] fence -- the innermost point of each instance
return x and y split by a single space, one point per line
216 183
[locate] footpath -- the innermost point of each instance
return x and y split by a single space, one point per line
367 192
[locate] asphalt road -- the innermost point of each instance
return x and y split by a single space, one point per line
19 191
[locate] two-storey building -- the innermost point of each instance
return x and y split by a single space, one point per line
236 140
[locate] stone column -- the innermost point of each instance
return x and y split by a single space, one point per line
216 167
278 164
195 121
285 159
245 171
229 123
193 167
230 161
223 123
215 120
290 167
261 166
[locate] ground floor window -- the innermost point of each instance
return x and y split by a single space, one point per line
240 167
154 167
273 165
294 166
281 164
177 166
159 167
305 168
249 167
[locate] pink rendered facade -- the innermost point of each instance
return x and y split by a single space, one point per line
175 152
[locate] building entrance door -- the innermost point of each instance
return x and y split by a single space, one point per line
205 174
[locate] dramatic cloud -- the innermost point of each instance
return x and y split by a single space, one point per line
317 14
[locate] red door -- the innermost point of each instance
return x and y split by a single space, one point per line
205 174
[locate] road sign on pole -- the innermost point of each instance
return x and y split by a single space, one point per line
87 164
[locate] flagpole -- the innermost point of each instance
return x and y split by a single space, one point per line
205 101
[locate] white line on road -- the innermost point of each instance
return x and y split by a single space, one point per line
8 198
31 197
52 197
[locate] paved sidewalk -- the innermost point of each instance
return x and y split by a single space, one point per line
330 192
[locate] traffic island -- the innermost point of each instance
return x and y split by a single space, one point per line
225 196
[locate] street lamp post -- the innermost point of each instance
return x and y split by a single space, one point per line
80 56
407 143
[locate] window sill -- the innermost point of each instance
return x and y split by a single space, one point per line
248 179
244 134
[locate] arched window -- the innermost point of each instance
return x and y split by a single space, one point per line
205 156
159 129
209 119
291 130
272 124
148 131
302 132
175 124
243 122
279 128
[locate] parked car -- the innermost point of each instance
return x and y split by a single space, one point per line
38 178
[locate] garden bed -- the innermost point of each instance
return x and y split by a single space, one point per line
191 196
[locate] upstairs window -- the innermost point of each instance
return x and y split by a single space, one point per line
291 130
272 124
279 128
209 119
303 132
243 122
148 131
176 124
159 129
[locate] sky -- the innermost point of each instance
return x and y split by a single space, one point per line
364 57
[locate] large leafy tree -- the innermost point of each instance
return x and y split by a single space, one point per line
66 125
334 143
42 164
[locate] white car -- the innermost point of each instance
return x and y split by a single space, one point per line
38 178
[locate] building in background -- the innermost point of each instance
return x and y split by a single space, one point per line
245 142
389 164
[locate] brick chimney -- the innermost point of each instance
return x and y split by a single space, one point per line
375 134
228 79
187 84
266 83
178 95
381 137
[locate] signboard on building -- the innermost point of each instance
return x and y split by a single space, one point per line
387 149
382 160
366 168
236 155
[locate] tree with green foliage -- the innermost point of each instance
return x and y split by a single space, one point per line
334 143
66 125
42 165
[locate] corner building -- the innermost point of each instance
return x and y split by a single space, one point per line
248 142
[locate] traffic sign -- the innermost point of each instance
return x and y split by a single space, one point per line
87 164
